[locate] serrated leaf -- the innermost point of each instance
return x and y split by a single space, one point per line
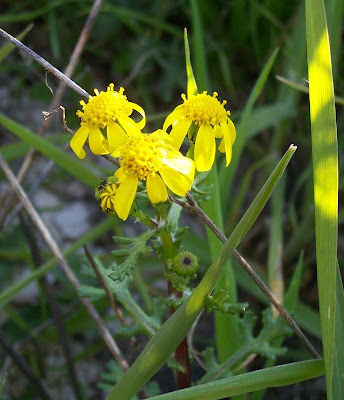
139 248
218 301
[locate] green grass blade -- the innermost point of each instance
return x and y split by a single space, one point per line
7 48
282 375
8 294
325 173
226 175
304 88
226 326
173 331
338 370
72 165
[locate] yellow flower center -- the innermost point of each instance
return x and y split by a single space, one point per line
143 155
204 109
104 107
106 197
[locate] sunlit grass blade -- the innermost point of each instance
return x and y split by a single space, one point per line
73 166
282 375
226 174
173 331
325 173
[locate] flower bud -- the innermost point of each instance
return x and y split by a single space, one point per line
185 263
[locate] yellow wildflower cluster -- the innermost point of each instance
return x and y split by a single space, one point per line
152 158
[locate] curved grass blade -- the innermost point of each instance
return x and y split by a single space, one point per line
269 377
325 173
71 165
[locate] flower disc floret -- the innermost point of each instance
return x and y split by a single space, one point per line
204 109
211 120
108 110
152 159
143 155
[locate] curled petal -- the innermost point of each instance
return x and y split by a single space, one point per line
156 189
171 119
175 181
231 129
129 125
184 165
115 135
98 143
205 148
227 139
78 141
125 196
179 131
141 111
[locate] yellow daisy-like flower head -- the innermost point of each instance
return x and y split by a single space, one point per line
150 158
110 110
211 119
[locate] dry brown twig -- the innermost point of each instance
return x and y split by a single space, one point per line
63 82
50 241
196 209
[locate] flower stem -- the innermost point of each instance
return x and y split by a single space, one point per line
181 354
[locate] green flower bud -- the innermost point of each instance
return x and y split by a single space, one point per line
185 263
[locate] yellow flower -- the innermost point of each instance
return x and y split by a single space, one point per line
211 118
105 110
150 158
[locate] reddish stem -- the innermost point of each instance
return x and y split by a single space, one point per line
181 354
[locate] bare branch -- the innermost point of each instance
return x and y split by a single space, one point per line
194 207
108 339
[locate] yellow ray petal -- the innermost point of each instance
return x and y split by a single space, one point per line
78 141
98 143
125 196
120 175
205 148
179 131
218 132
227 138
222 147
231 129
141 111
171 118
129 125
115 135
156 189
181 164
177 182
